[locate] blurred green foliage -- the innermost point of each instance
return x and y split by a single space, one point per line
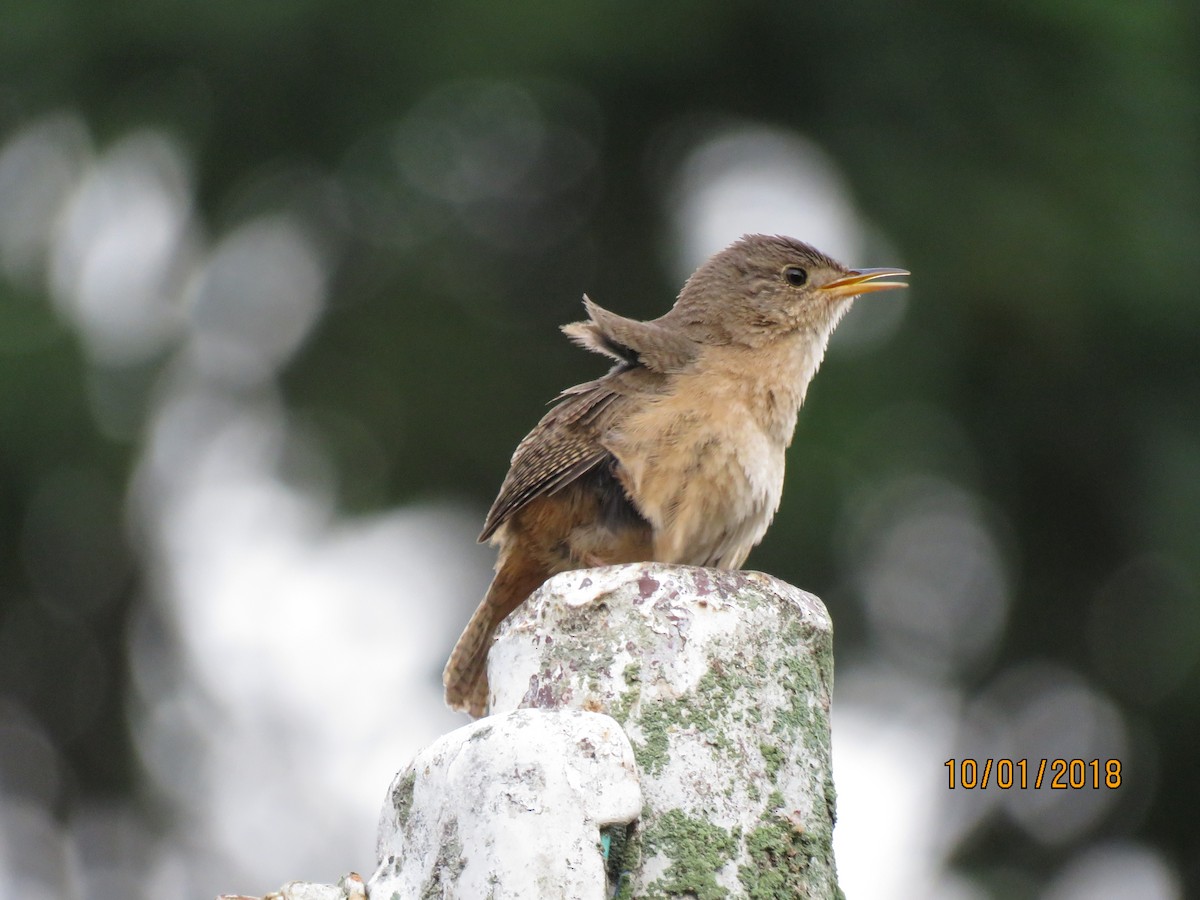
1037 164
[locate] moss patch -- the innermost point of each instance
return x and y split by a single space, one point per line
651 750
696 850
772 759
783 856
402 797
803 722
707 709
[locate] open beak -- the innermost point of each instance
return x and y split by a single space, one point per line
862 281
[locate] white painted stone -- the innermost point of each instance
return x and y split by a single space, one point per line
350 887
508 807
722 680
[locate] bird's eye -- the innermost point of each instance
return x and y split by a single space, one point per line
795 276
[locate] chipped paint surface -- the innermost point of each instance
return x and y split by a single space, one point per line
722 681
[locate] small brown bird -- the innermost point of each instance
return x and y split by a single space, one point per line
676 455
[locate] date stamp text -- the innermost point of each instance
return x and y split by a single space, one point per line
1022 774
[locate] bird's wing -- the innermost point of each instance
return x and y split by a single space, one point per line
631 342
564 445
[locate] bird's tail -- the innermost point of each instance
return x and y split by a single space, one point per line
465 675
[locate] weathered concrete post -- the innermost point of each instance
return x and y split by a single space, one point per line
722 682
656 731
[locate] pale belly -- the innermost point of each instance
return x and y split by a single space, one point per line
709 488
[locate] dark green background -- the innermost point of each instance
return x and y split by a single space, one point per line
1036 164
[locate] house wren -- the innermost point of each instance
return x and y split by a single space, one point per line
676 455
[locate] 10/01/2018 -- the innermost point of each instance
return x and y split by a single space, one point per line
1064 774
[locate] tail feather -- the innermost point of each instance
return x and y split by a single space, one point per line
465 675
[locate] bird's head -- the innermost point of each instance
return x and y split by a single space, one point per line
765 286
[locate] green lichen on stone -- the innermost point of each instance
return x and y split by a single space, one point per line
806 677
695 851
632 675
720 700
651 752
711 706
777 858
784 858
447 867
830 794
623 704
707 709
772 758
402 796
760 667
